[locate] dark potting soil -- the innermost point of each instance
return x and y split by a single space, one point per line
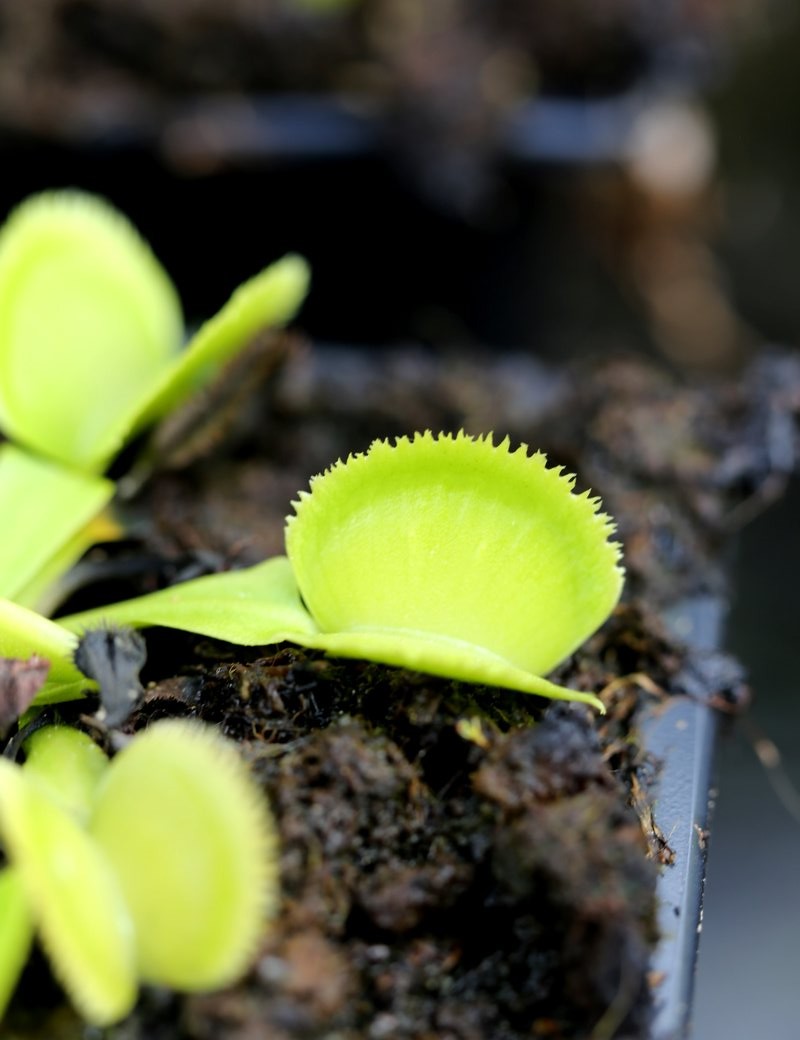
458 862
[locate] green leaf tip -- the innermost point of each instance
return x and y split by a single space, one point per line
454 556
271 298
91 328
190 838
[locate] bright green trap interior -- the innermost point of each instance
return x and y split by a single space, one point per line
460 539
87 318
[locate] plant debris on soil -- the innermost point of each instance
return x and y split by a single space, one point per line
458 862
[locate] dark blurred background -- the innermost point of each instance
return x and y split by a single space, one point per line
562 177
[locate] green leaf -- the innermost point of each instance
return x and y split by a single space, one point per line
16 933
68 765
23 633
88 321
271 298
74 897
53 508
182 792
253 607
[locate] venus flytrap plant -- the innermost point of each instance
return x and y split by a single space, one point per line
452 556
91 353
159 866
446 555
91 331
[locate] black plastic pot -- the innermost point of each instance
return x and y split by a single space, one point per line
681 737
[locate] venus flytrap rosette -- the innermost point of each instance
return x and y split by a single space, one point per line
446 555
159 866
91 329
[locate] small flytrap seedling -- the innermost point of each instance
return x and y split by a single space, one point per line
91 353
159 866
446 555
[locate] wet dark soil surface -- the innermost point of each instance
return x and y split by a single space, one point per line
458 862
